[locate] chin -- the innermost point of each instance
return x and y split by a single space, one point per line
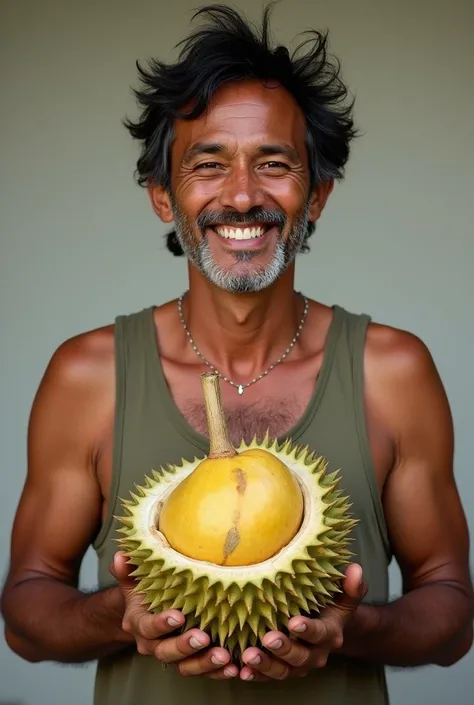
246 279
243 272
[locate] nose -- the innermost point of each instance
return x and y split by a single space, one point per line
241 190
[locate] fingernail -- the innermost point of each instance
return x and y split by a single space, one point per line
173 622
229 672
255 660
195 643
249 677
277 644
215 658
299 628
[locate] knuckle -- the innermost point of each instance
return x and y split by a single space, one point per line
183 669
302 660
126 625
284 674
143 626
319 632
160 654
320 661
142 647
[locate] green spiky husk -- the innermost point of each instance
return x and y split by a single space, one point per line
236 606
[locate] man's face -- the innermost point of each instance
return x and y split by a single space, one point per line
240 186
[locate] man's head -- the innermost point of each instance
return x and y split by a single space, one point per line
241 144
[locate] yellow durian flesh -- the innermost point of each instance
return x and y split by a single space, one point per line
235 510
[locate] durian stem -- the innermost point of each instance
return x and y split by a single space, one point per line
220 445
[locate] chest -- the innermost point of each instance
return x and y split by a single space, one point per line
274 405
250 418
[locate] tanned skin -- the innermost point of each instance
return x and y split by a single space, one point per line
66 492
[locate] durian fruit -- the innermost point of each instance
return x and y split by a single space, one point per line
240 540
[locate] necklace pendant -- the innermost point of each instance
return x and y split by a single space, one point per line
241 387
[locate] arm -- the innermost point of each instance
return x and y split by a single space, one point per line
46 616
432 622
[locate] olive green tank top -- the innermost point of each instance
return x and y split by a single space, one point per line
150 431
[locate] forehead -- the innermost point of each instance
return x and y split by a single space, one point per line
243 116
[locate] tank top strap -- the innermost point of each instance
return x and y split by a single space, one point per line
134 403
349 351
345 386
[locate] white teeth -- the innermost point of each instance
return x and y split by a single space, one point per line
240 233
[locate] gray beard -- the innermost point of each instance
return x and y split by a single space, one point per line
199 254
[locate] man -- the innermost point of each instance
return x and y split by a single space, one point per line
241 145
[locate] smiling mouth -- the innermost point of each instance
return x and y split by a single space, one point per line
243 233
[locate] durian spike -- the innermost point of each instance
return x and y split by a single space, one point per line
220 445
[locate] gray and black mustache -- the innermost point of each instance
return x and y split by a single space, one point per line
256 215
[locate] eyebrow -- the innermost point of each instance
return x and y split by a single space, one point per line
216 148
273 149
202 148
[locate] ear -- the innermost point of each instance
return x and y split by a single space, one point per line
161 203
319 198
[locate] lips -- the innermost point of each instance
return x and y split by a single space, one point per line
246 233
243 238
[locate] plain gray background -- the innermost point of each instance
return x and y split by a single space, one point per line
80 244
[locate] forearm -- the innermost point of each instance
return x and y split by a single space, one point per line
47 620
430 625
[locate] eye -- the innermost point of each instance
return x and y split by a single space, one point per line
208 165
275 165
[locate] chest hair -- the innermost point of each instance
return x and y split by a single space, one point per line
253 420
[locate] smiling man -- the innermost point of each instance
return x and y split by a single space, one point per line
241 145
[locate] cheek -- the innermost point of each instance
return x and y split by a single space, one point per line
194 193
291 193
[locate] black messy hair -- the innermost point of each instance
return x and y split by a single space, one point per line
228 48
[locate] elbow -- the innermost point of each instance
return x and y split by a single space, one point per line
14 629
458 650
20 648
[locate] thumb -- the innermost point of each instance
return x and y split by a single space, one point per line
353 584
121 570
354 590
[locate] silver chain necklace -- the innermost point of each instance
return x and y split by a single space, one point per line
241 387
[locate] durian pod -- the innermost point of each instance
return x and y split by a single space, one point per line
237 604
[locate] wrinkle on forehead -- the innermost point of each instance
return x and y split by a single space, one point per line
248 112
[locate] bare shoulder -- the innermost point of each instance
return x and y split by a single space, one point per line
403 384
82 361
76 393
398 354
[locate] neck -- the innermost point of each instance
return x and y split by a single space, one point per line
242 334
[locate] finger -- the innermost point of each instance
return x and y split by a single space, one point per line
250 674
313 631
177 648
211 660
291 652
300 672
265 664
230 671
354 589
121 570
335 617
151 626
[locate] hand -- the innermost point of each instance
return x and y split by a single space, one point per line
322 635
187 651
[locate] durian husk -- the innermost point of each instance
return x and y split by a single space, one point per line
237 605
